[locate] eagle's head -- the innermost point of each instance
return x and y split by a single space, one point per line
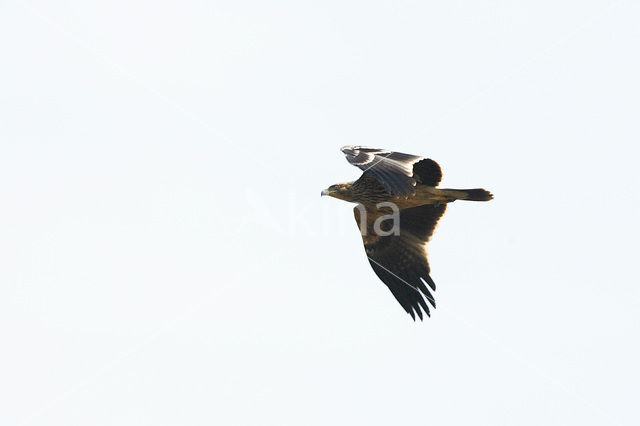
341 191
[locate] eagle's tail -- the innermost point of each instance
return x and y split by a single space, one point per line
477 194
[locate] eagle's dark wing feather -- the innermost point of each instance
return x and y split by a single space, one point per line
400 261
396 171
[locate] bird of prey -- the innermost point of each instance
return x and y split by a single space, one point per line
398 208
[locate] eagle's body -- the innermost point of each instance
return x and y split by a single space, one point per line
402 188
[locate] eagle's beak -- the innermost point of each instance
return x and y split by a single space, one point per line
324 192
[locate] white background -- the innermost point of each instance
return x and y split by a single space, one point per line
166 258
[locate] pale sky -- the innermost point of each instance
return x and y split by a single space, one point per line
167 258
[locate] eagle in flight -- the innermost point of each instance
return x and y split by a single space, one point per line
398 208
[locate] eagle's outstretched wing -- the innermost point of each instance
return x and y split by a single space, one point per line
396 171
400 261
